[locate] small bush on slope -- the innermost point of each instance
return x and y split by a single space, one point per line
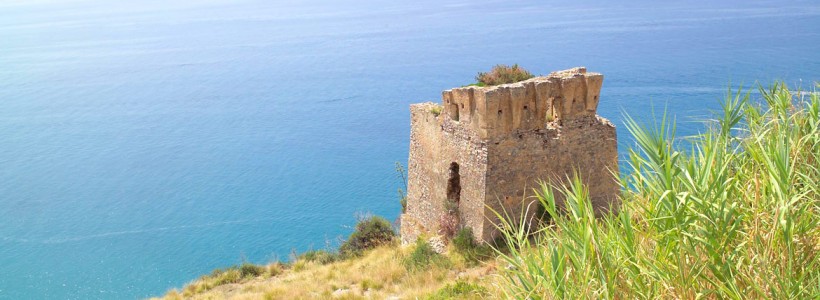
234 274
248 270
376 274
463 240
466 246
320 256
423 256
370 233
735 217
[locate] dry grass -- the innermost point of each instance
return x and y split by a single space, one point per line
378 274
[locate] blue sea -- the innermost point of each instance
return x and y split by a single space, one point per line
145 143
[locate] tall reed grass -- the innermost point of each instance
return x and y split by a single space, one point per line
730 213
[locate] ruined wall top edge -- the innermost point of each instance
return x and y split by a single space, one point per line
557 75
531 104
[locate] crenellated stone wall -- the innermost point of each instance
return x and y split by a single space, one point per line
504 139
525 105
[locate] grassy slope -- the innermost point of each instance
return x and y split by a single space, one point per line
378 274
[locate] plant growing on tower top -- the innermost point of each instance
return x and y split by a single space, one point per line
502 74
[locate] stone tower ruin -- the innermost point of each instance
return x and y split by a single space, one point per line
486 148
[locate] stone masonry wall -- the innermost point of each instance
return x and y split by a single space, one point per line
505 138
517 162
435 143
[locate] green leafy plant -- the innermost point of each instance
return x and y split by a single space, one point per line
733 217
423 256
248 270
466 246
233 274
502 74
402 174
464 240
370 232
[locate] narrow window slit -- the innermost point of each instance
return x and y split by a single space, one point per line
454 184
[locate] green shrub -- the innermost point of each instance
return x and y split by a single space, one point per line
231 275
466 246
234 274
502 74
222 276
248 270
464 240
319 256
370 233
733 214
460 289
423 256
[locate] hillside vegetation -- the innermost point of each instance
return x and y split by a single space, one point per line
369 265
380 273
731 213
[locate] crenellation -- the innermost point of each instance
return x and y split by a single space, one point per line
493 115
594 83
530 110
518 97
504 120
503 139
526 105
480 125
462 98
572 97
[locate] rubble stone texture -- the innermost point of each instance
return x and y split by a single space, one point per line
487 147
